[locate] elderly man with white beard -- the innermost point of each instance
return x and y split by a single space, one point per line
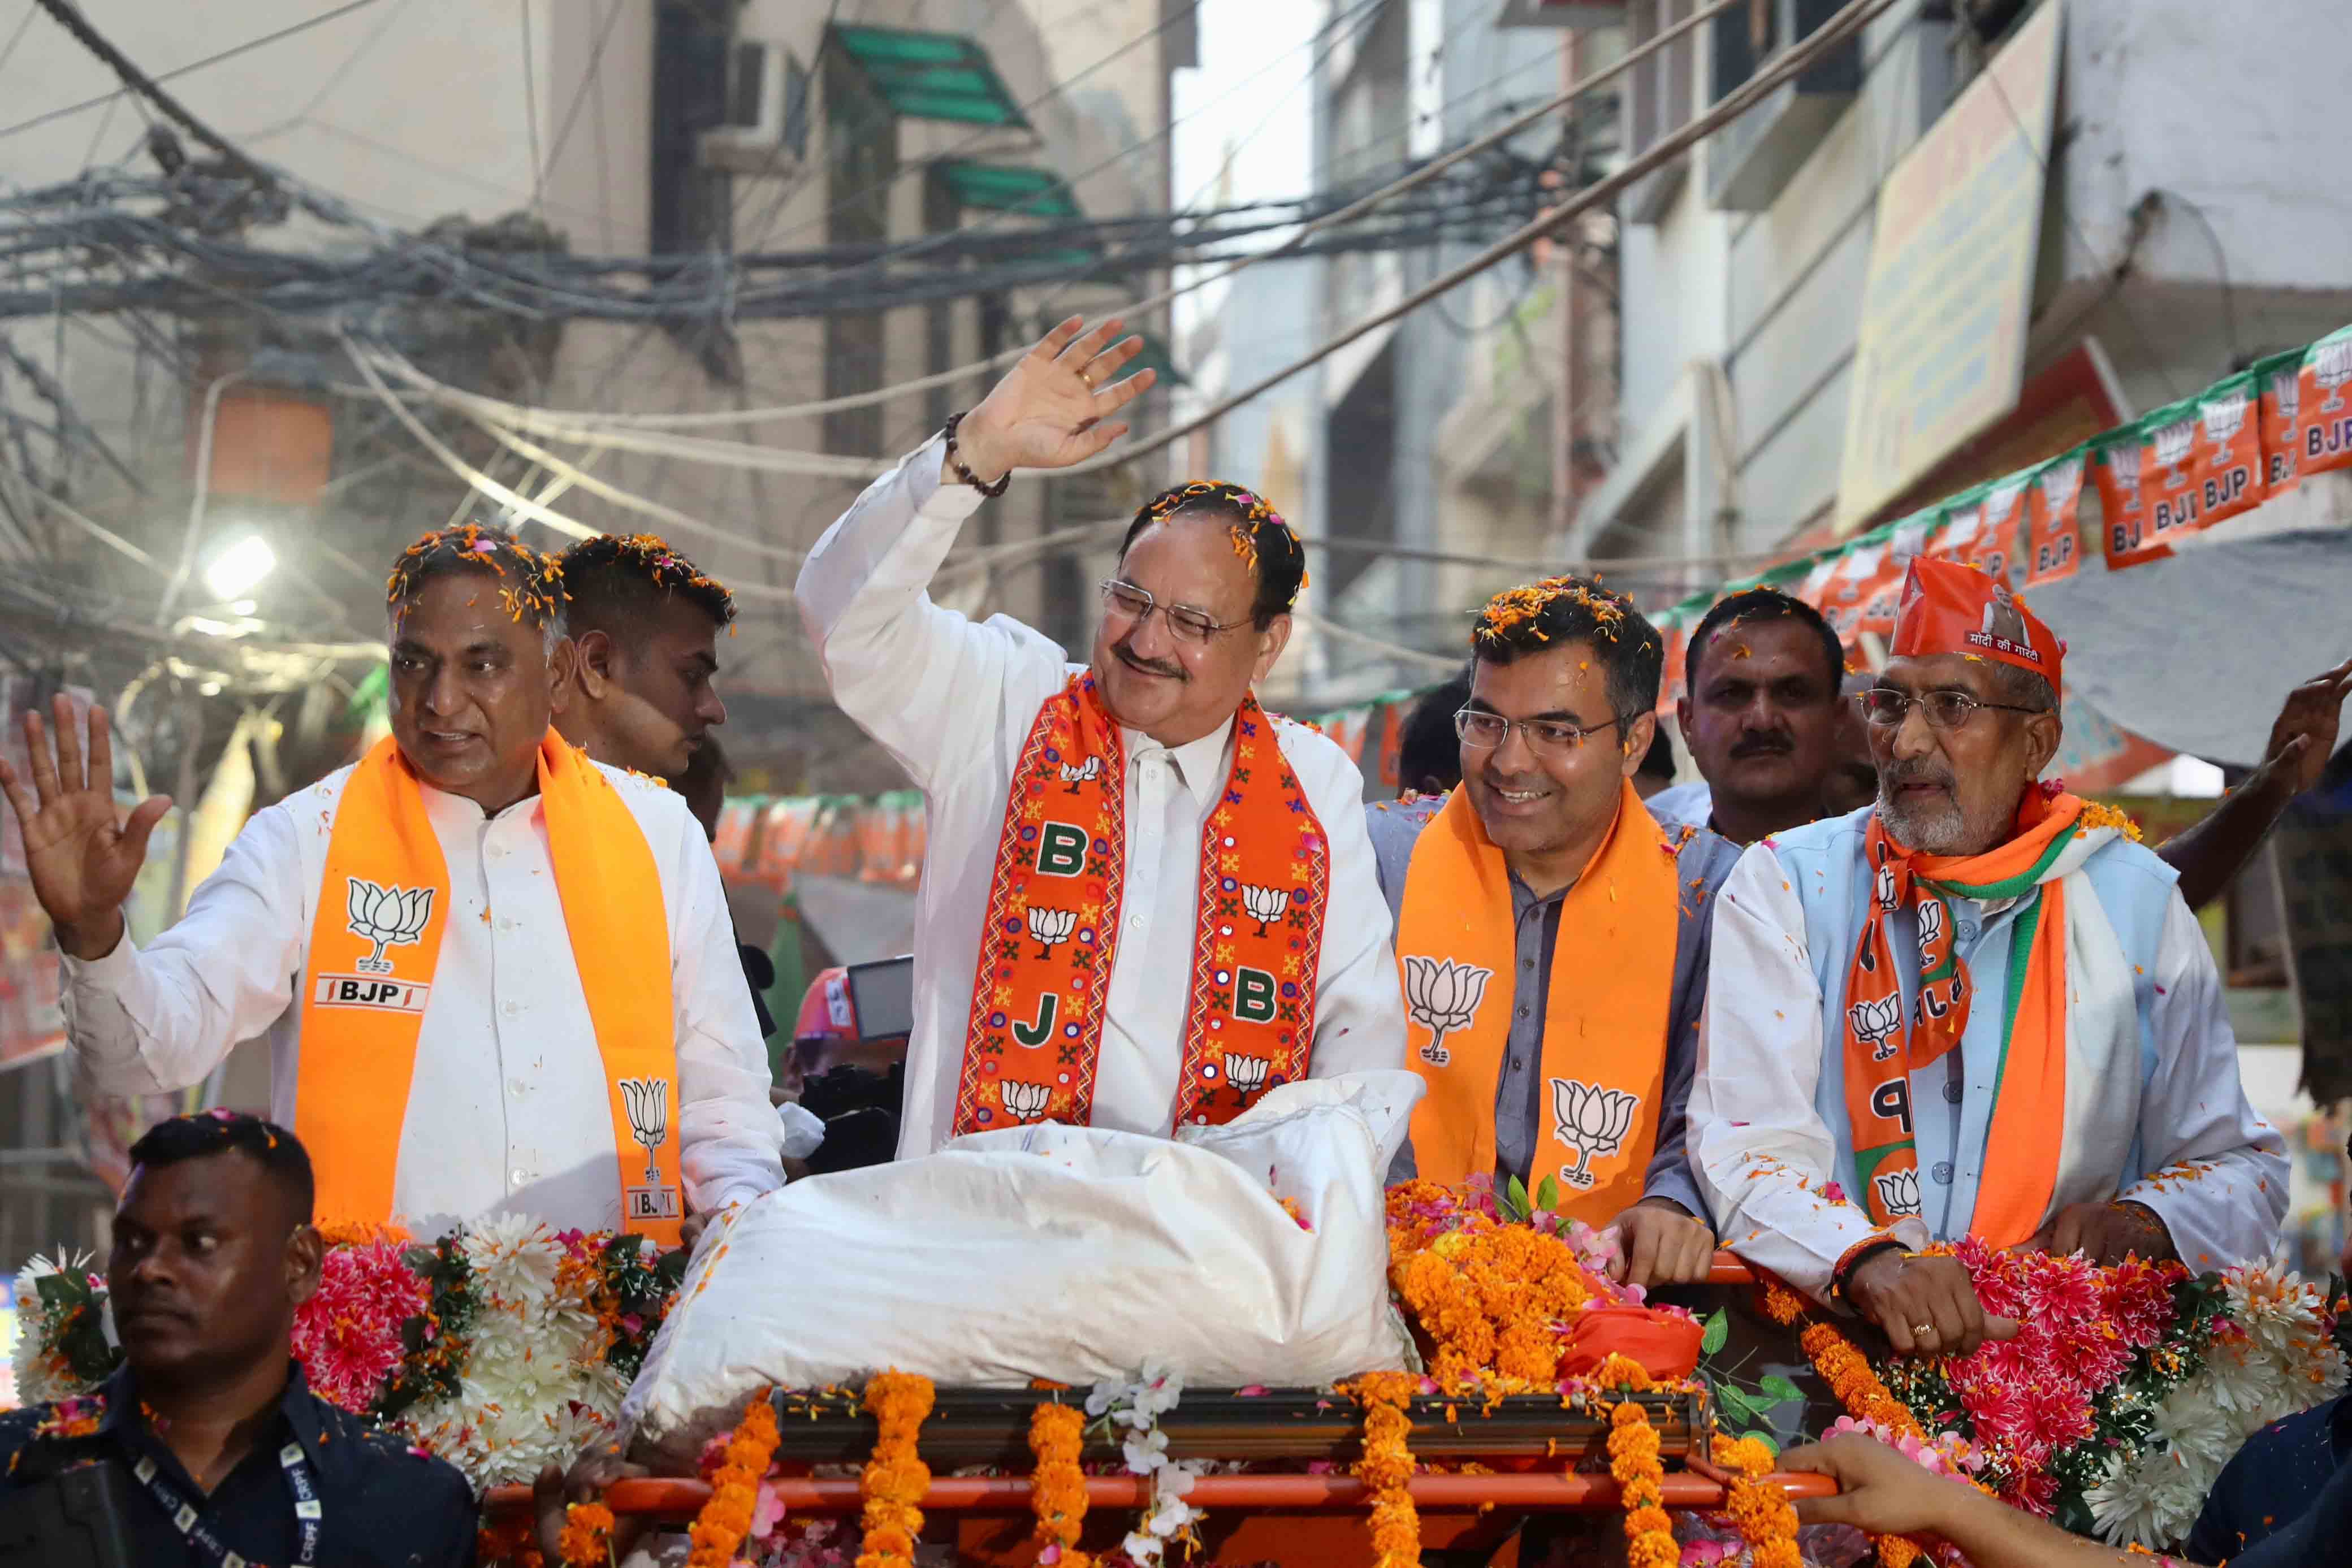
1976 1006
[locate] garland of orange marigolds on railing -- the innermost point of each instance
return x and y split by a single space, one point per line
895 1481
1847 1372
726 1519
1057 1488
1386 1468
587 1540
1763 1516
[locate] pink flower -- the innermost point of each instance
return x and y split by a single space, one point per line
631 1323
768 1512
348 1334
1251 1390
1834 1192
1706 1554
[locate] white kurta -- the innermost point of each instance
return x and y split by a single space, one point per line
1762 1150
507 1110
954 702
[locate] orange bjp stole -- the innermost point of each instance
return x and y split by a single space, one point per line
383 905
1605 1013
1033 1044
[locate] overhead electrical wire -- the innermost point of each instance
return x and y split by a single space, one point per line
1421 176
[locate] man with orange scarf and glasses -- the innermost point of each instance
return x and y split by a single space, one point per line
1145 901
495 977
1553 940
1976 1006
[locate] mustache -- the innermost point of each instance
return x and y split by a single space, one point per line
1764 742
1168 667
1914 770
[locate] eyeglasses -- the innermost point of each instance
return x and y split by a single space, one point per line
1886 708
1545 736
1124 599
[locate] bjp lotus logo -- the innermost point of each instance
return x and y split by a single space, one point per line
1050 928
1442 996
1931 931
1883 885
1247 1074
1898 1191
2173 445
1875 1024
2331 367
646 1101
1026 1102
1076 776
2224 417
1595 1120
387 917
1265 905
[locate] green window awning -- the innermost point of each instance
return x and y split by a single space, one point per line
1003 188
931 76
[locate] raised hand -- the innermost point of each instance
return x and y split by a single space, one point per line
2304 736
82 858
1049 410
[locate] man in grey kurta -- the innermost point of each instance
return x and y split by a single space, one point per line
1564 688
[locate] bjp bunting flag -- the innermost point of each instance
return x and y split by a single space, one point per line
2323 413
2053 502
2279 381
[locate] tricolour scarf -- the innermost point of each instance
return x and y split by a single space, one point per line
1032 1049
383 904
1605 1013
1883 1046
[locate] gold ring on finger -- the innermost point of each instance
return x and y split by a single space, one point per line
1923 1330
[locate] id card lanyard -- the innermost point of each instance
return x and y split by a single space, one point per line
189 1521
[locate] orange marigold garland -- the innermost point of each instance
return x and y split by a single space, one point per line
1487 1294
726 1519
1640 1478
587 1540
1387 1466
894 1481
1847 1372
1764 1518
1057 1487
512 1543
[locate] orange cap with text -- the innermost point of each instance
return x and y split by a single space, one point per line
1949 608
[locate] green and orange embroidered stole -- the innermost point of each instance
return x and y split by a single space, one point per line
1033 1049
1883 1047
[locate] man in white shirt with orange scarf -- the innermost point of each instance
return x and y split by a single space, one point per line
495 977
1976 1006
1145 902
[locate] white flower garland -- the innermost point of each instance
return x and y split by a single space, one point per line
1137 1406
2280 1361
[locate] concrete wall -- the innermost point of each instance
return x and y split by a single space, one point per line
2213 115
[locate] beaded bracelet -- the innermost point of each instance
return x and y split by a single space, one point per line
956 464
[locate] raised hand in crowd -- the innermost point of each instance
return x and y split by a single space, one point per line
2107 1233
2304 736
1923 1305
82 855
1049 410
2209 855
1660 1243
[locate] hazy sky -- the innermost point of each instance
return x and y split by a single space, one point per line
1249 98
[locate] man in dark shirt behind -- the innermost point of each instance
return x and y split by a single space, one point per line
228 1454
